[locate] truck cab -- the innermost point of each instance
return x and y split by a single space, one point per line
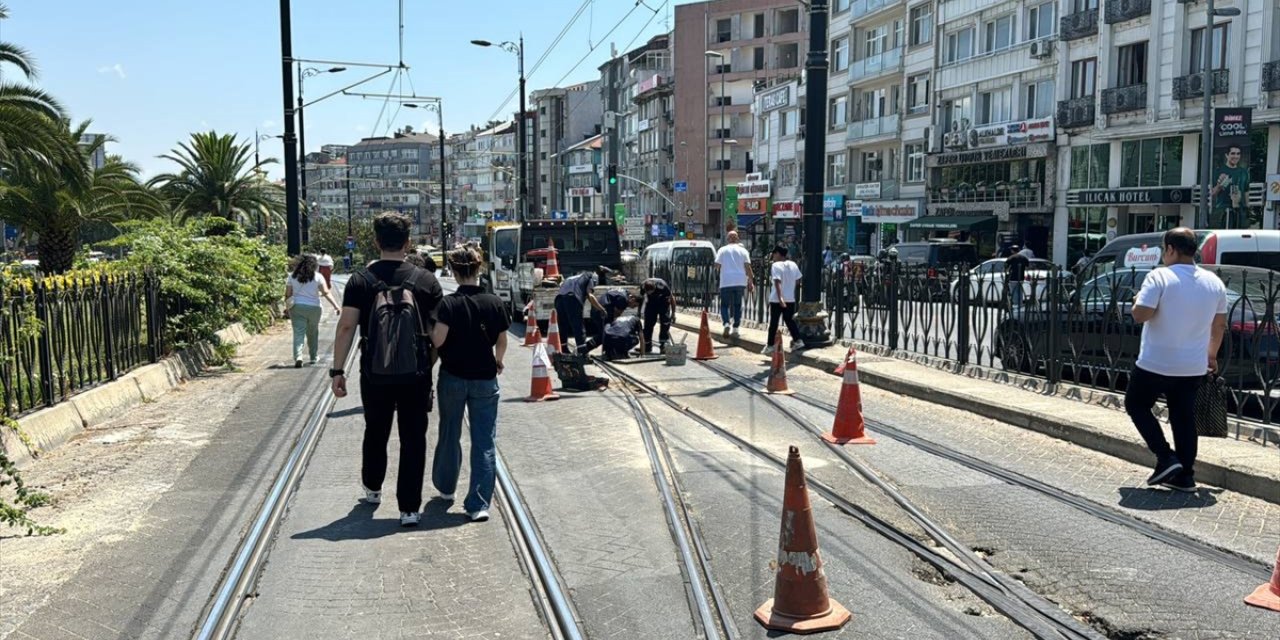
580 245
500 245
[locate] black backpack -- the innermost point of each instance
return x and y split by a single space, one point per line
396 343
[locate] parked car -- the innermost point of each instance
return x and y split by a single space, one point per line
1098 334
928 263
987 285
1238 247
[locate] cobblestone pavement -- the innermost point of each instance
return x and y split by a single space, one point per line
1105 573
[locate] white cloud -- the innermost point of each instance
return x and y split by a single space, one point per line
116 68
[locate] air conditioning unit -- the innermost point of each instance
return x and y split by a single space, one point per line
928 138
1041 49
1195 84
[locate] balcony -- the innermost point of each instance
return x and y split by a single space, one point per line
1122 10
867 68
862 8
1079 25
1017 194
1076 112
1192 86
1271 76
1122 99
862 129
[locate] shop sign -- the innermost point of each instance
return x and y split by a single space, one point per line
867 190
788 210
1273 187
644 125
753 206
1143 257
998 154
775 99
649 85
999 209
890 211
1132 196
833 207
967 136
582 168
852 208
755 188
582 192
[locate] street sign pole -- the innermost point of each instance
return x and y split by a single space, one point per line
810 316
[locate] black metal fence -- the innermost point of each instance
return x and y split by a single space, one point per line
59 336
1065 327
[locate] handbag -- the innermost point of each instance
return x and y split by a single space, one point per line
1211 407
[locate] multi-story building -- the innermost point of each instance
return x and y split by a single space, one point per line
1130 99
723 49
327 184
396 174
583 168
484 168
778 149
565 117
99 157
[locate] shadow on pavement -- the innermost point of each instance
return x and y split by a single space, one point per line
1152 499
360 524
353 411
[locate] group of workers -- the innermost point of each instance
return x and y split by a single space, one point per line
608 325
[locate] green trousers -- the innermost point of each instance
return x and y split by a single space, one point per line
306 326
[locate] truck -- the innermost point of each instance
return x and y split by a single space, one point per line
500 244
580 245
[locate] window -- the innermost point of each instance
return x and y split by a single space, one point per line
872 166
921 24
724 30
757 58
1040 22
838 113
960 45
1084 77
840 6
1154 162
758 26
1039 103
915 162
1218 49
1083 5
918 93
789 123
1090 165
995 106
788 173
877 41
840 54
997 34
956 113
1131 65
764 128
873 104
835 169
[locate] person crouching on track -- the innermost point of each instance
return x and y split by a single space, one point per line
573 296
614 303
659 307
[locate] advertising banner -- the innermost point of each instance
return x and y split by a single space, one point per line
1229 182
730 206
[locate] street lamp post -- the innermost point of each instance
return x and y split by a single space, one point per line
302 141
720 134
1206 126
810 316
518 49
292 224
438 106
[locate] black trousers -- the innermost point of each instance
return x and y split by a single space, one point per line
408 404
788 316
569 315
657 311
1180 396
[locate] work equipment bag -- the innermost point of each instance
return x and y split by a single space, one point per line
397 346
1211 407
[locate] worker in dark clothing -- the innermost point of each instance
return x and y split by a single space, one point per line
659 307
1015 272
613 304
620 337
574 294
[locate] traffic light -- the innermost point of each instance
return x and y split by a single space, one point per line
613 174
680 229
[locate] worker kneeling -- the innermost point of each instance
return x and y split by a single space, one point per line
618 333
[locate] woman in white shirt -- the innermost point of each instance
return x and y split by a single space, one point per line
305 290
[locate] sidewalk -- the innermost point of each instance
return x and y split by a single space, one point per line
1242 466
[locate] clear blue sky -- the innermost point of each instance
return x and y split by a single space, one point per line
149 72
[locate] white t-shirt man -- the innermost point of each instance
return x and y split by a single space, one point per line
733 260
1175 341
787 274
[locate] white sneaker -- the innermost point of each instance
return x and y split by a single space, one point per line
797 345
371 496
445 496
767 351
726 330
479 516
735 333
410 518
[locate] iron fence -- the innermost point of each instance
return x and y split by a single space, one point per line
61 336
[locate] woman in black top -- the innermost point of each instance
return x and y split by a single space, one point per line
471 336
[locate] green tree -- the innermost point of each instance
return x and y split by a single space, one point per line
41 203
329 235
217 177
30 120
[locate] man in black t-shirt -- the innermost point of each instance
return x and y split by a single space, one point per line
382 401
1015 271
659 306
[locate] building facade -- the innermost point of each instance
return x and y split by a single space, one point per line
484 164
565 117
583 170
397 173
327 184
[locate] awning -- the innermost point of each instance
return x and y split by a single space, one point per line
966 223
748 219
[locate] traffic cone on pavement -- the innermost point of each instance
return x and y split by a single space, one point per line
800 603
778 370
531 335
553 334
553 267
847 356
540 384
1267 596
849 426
705 350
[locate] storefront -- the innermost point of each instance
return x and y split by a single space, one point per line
833 222
787 228
883 223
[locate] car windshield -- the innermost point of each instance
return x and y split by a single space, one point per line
1254 284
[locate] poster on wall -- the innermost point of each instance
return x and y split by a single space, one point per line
730 207
1229 183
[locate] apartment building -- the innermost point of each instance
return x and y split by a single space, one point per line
583 170
774 194
483 165
723 50
565 117
327 184
395 174
1130 114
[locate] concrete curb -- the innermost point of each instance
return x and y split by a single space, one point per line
53 426
1222 474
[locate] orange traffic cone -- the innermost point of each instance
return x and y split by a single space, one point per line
553 333
553 268
1267 596
531 335
800 603
778 370
705 351
540 384
848 427
847 356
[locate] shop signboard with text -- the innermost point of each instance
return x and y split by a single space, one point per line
890 211
582 168
792 210
833 207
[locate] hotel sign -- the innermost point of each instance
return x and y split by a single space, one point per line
775 99
1132 196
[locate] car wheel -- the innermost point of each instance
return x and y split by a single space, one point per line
1014 349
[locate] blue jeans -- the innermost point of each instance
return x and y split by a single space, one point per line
731 304
480 400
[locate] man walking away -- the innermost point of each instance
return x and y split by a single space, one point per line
471 334
393 303
659 307
1015 271
734 263
574 294
1183 310
784 275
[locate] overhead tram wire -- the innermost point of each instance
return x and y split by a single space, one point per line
626 48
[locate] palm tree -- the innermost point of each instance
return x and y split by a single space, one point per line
41 203
30 119
217 177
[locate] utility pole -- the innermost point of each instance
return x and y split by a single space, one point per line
810 316
444 200
302 164
611 107
292 220
524 142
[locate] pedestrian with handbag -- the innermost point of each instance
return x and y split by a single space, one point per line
1183 310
